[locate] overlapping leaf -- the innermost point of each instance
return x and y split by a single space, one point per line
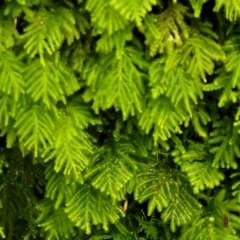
116 82
89 207
49 83
133 10
11 79
163 117
105 16
54 222
112 166
47 31
35 127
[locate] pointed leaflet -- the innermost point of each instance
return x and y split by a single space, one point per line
35 127
203 175
181 210
59 188
49 83
89 207
47 31
11 80
54 222
224 140
197 6
236 186
112 166
175 84
166 30
155 185
116 82
104 16
133 10
229 78
232 9
161 115
198 54
80 113
203 228
107 43
71 148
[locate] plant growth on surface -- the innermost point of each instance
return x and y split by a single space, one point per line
120 119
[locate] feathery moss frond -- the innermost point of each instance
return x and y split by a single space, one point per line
116 82
89 207
54 222
166 30
112 166
47 31
161 115
133 10
105 16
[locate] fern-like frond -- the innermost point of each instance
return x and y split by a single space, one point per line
105 16
165 30
194 151
236 186
11 80
231 7
197 6
156 186
197 55
133 10
116 41
163 117
80 113
112 166
49 83
47 31
205 228
54 222
116 82
203 175
71 148
223 139
200 118
181 210
89 207
34 127
176 84
59 188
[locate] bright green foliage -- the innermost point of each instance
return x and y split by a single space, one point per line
163 117
225 135
202 175
119 120
214 220
34 127
70 149
197 6
49 83
165 30
50 220
47 31
175 84
198 53
112 167
59 187
231 7
84 209
11 79
133 10
105 17
122 86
